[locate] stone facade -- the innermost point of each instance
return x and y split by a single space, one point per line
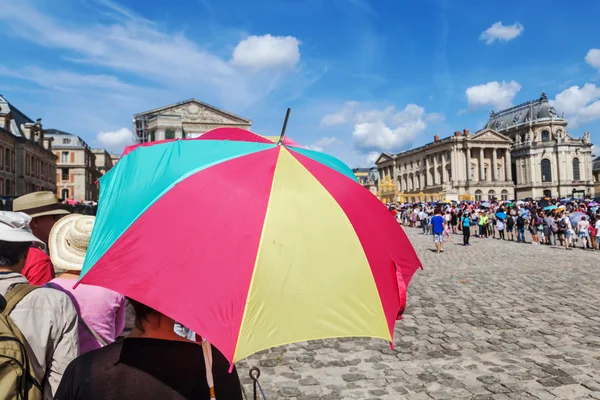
596 173
524 151
77 173
190 118
546 160
367 177
460 167
103 160
27 163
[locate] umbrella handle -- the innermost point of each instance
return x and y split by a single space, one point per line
254 375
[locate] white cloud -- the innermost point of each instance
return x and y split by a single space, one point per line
501 33
580 105
492 94
382 129
167 59
593 58
323 143
115 140
341 117
261 52
66 80
435 117
372 157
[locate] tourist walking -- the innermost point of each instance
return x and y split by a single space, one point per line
510 226
520 228
582 229
438 225
101 311
44 210
46 318
465 222
500 226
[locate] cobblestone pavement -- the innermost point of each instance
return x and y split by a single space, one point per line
495 321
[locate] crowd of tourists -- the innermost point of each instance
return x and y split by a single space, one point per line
61 342
569 223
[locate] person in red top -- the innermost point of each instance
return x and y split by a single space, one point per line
44 210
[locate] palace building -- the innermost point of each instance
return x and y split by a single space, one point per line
27 163
524 151
189 118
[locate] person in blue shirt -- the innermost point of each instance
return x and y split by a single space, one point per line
437 226
466 224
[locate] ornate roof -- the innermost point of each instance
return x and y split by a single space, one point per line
166 108
18 118
531 111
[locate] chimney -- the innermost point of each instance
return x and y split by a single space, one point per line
457 133
465 132
436 138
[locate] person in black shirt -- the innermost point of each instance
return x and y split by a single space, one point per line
152 363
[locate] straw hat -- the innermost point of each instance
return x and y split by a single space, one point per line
38 204
69 241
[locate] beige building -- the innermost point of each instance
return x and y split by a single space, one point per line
114 158
596 173
27 163
187 119
103 160
460 167
546 160
77 173
524 151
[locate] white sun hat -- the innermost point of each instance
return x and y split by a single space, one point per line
69 241
14 227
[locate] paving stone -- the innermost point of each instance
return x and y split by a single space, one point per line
492 321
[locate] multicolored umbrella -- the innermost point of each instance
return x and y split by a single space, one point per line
249 243
550 208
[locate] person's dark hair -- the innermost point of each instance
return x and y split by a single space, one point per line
12 252
142 312
438 210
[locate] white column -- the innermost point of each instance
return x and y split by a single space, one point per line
435 167
468 164
481 164
453 165
495 176
507 165
426 164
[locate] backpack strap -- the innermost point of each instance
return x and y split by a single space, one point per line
15 295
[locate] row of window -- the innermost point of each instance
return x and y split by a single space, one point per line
7 159
491 195
7 187
37 168
547 170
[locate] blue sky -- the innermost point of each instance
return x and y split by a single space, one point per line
360 76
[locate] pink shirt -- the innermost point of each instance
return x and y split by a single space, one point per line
102 310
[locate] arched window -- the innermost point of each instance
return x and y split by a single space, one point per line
546 171
545 136
65 194
576 175
504 195
478 194
491 195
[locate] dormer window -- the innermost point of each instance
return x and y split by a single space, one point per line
66 141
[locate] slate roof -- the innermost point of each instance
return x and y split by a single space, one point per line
596 164
19 118
523 113
60 135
